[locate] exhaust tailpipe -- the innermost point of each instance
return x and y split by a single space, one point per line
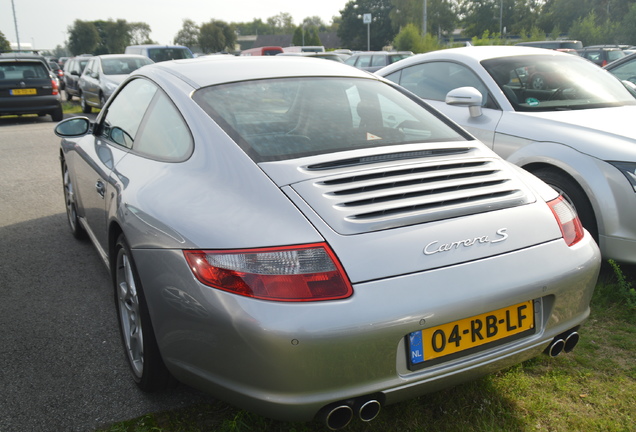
571 341
368 410
556 347
338 417
565 342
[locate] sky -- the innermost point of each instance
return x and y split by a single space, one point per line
44 23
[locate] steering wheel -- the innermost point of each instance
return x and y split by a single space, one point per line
560 90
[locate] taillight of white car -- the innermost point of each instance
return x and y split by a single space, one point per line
568 220
292 273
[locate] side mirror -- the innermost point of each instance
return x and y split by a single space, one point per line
466 96
73 127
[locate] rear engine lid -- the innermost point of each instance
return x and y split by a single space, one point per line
397 213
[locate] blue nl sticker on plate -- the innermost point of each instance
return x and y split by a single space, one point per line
417 350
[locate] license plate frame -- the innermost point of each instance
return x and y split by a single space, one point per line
434 345
23 92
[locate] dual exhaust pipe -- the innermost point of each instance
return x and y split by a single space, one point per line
338 415
565 342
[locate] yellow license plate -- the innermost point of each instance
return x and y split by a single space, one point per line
24 92
446 339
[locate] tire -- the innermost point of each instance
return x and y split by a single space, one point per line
138 338
538 82
573 194
69 97
71 207
86 108
57 115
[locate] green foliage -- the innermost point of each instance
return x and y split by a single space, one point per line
586 30
83 37
440 14
4 43
625 291
188 35
105 37
306 36
488 39
409 39
353 32
114 36
216 36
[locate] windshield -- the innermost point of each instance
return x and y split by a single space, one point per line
123 65
284 118
548 83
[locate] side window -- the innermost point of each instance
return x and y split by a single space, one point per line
379 60
434 80
126 112
364 61
626 71
89 67
164 134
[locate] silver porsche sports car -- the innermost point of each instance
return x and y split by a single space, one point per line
303 239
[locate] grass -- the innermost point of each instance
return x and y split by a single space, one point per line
592 388
71 107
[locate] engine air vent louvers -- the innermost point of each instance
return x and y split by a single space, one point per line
364 160
400 195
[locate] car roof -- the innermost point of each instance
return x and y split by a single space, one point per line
115 56
10 56
473 55
206 71
480 53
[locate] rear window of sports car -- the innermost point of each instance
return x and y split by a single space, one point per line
286 118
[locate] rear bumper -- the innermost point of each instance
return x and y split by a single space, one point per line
288 361
29 105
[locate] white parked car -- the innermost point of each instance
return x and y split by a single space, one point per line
557 115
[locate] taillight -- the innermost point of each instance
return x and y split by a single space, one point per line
292 273
569 222
56 89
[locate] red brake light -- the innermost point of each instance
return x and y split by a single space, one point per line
55 86
568 220
292 273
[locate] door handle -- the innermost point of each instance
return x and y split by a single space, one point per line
99 186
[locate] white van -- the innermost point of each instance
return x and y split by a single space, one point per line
159 53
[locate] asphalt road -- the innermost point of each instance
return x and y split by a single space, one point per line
62 367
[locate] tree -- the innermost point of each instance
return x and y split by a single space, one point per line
306 36
256 27
283 23
4 43
314 21
587 31
353 32
189 34
139 33
441 16
83 37
216 36
114 36
408 38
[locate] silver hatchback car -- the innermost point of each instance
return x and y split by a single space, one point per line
303 239
103 74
